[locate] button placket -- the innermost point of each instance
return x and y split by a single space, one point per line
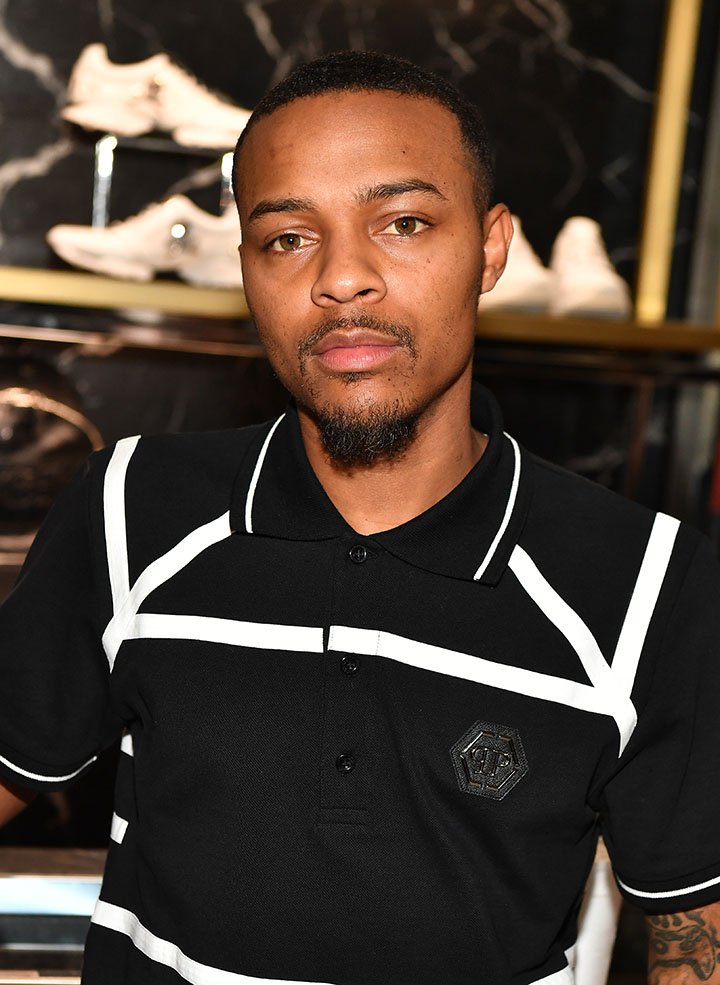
349 666
345 772
358 554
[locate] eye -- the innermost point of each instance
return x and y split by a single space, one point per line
406 225
287 243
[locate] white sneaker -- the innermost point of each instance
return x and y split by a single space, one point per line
586 283
525 284
155 94
174 235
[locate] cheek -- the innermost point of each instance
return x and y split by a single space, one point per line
278 336
467 265
451 276
271 311
277 303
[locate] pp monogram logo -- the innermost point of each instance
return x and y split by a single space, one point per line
489 760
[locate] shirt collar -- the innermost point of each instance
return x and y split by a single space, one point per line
469 534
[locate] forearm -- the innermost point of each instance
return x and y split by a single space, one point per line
12 801
684 948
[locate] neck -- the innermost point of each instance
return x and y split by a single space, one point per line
388 493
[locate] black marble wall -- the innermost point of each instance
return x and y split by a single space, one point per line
567 87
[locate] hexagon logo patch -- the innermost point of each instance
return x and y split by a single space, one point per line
489 760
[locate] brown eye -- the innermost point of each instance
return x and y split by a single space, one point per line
287 242
406 226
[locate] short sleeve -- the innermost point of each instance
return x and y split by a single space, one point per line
54 677
661 807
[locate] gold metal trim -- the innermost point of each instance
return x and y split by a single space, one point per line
133 337
534 329
598 333
18 396
93 291
666 159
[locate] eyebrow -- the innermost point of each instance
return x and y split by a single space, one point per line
393 188
271 205
365 196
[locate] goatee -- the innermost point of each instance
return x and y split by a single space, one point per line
375 433
379 434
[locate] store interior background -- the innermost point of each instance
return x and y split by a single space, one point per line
569 91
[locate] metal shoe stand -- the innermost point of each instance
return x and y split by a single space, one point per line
46 900
105 154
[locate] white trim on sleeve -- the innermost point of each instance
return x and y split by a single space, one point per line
669 894
42 777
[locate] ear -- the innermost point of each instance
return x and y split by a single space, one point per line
498 233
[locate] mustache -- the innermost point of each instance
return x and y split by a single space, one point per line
399 332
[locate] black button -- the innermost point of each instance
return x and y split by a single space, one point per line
358 554
350 666
345 762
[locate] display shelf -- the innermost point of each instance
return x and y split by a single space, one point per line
218 341
675 336
84 290
160 298
227 338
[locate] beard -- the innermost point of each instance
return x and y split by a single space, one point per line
372 434
380 434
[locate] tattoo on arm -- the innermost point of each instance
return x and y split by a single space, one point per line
687 941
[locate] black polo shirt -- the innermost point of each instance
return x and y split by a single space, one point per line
365 760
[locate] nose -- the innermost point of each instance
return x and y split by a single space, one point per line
348 272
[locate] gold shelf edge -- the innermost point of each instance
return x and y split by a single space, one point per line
85 290
595 332
133 337
657 236
531 329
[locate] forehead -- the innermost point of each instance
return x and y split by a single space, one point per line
323 146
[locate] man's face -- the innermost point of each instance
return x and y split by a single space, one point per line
362 251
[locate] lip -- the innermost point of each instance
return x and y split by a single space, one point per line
356 350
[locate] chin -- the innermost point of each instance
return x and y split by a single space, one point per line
363 436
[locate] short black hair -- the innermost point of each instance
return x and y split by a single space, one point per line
366 71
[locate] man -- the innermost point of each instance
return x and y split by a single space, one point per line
381 670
